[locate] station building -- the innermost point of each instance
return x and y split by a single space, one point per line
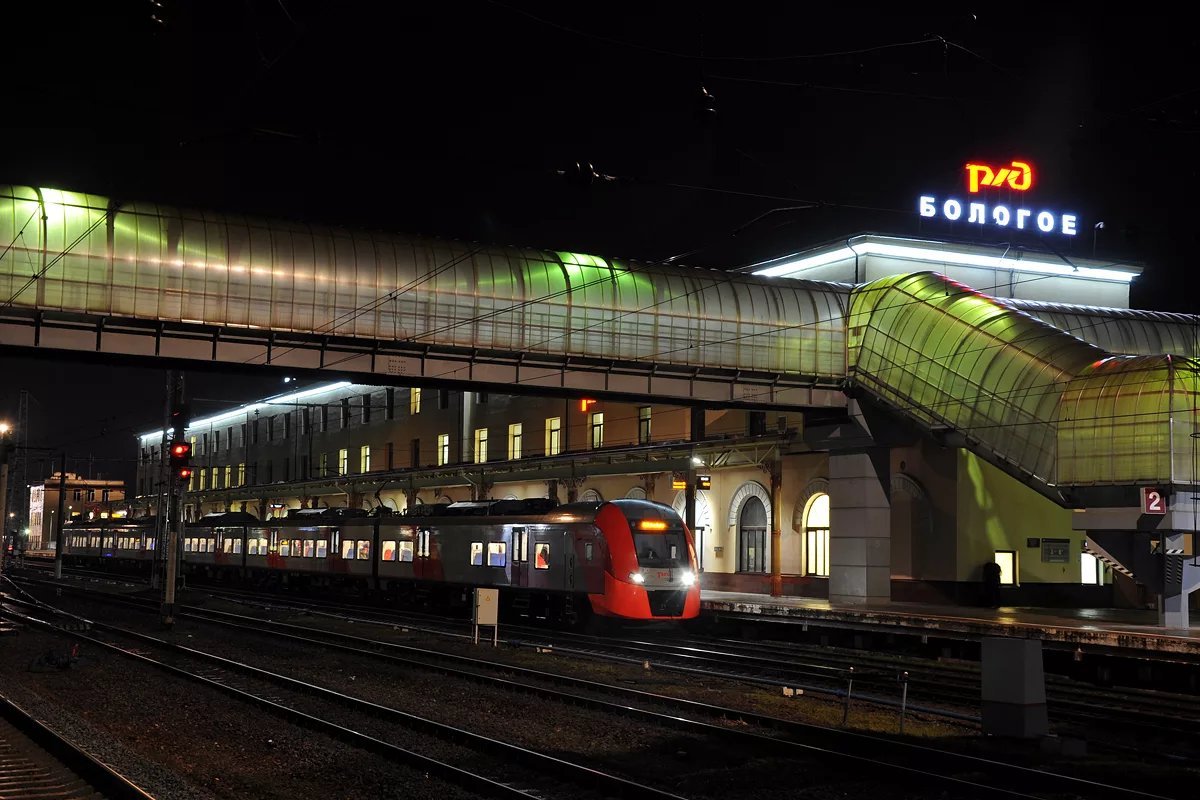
760 479
82 499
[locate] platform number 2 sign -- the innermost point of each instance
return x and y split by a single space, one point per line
1153 501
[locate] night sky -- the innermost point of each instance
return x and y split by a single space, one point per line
455 119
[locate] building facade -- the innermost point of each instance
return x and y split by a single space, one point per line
86 499
763 522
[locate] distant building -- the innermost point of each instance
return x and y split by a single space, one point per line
86 499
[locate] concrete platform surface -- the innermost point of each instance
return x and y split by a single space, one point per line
1089 629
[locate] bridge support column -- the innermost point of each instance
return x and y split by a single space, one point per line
860 526
1181 577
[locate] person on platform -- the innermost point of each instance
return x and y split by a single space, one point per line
991 584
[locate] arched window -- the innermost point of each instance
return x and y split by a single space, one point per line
752 536
816 536
636 493
591 496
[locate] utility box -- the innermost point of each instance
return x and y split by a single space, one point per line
487 612
1014 688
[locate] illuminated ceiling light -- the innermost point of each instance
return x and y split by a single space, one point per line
819 260
237 413
955 257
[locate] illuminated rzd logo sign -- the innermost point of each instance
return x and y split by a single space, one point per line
1018 176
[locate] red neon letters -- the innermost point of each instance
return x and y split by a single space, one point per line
1018 176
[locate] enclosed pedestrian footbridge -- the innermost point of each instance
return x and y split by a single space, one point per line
1085 403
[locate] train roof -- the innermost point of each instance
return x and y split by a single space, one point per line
224 519
111 522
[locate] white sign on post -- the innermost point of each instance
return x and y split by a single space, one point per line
487 612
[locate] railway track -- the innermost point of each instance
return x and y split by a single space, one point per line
36 762
951 691
753 731
538 775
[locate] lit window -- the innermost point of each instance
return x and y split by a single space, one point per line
348 550
324 464
1007 559
1091 570
241 474
365 458
414 401
364 549
514 442
443 449
541 555
228 476
406 551
387 550
596 426
203 481
553 436
476 554
481 439
343 461
497 555
644 425
216 477
322 548
816 531
309 548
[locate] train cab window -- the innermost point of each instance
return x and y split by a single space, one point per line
541 555
237 546
187 545
322 548
364 549
310 548
497 554
587 550
405 551
285 548
387 550
348 549
476 554
227 546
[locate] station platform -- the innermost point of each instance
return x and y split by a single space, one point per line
1111 631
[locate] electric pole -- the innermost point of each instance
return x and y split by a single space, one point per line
177 481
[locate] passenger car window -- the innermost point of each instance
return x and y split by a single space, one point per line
387 550
406 551
322 548
285 548
497 554
309 548
476 554
364 548
348 549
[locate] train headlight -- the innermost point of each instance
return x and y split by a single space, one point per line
637 577
687 577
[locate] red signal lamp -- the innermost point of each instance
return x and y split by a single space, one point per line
184 473
181 450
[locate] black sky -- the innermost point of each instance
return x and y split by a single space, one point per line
453 119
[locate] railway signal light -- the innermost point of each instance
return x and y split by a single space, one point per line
181 456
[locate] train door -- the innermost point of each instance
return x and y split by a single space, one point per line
422 568
519 573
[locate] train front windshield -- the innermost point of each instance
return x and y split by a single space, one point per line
666 549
